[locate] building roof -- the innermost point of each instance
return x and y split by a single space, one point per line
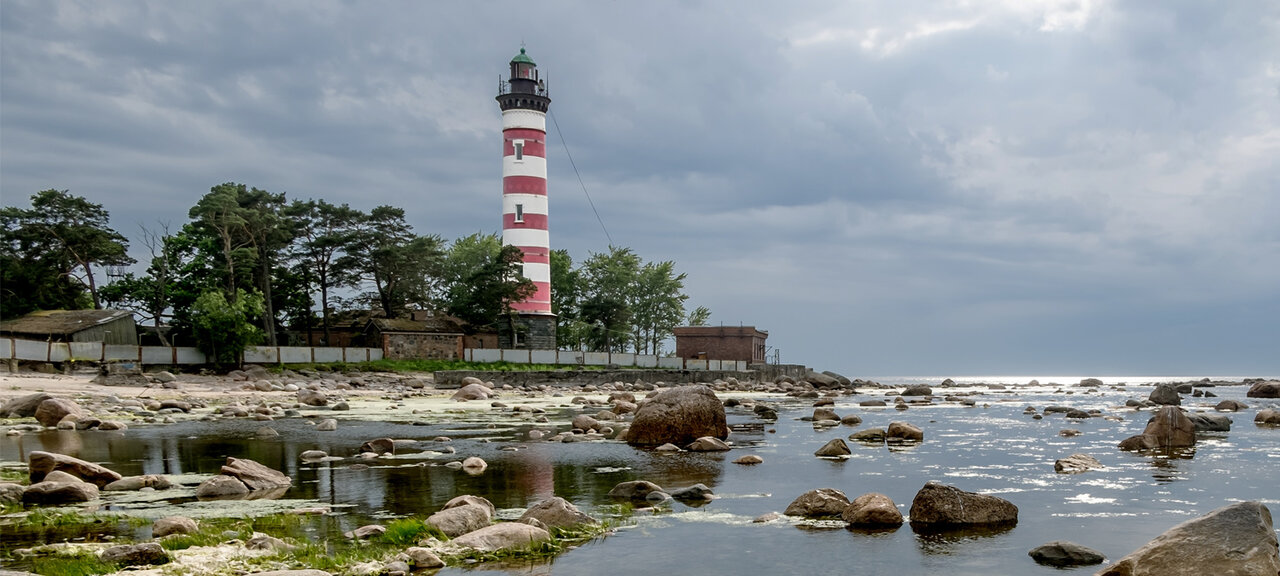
438 325
61 321
523 58
718 331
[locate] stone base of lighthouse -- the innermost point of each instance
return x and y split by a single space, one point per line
532 332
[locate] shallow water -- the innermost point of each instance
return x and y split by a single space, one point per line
991 448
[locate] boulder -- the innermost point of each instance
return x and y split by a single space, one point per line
144 554
1169 428
255 476
128 483
749 459
1075 464
422 558
327 425
474 464
379 446
678 415
1231 406
109 425
467 499
585 422
504 536
556 512
1165 394
1264 390
1210 422
872 509
707 444
697 492
940 505
59 493
221 487
308 397
820 503
904 432
634 489
173 525
918 390
313 455
23 406
870 435
820 380
1060 553
53 410
365 532
825 414
835 448
472 391
41 463
1087 382
851 420
10 493
1267 416
1233 540
460 520
872 403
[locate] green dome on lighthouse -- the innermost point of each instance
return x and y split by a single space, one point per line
523 58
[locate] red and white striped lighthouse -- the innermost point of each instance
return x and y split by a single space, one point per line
524 101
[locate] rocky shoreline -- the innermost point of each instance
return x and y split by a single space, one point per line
650 414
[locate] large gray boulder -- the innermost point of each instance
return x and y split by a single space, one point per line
173 525
834 448
1267 416
820 380
221 487
53 410
1264 390
1236 540
40 464
466 499
255 476
308 397
1169 428
940 505
59 493
904 432
504 536
871 510
679 416
144 554
23 406
556 512
1210 422
820 503
460 520
472 391
634 489
1165 394
1075 464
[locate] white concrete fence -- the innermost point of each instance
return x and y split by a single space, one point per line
578 358
42 351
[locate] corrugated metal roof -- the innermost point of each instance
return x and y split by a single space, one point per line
61 321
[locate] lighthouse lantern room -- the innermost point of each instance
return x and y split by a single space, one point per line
524 101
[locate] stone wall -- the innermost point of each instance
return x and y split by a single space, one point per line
409 345
537 332
453 378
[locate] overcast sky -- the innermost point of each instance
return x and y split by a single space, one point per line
888 188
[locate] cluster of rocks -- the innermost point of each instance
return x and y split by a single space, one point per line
241 477
653 494
935 506
60 479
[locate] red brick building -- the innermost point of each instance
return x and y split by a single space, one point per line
721 343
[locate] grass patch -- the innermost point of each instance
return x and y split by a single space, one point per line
410 531
15 475
77 565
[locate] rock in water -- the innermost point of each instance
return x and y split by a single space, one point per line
940 505
1210 422
1170 428
23 406
634 489
53 410
1267 416
820 503
255 476
460 520
1075 464
834 448
556 512
502 536
707 444
872 509
1059 553
1237 540
173 525
1264 390
678 415
42 463
904 432
1165 394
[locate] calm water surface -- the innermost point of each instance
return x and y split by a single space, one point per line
991 448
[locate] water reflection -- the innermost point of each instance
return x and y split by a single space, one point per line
945 541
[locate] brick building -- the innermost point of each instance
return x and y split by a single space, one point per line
721 343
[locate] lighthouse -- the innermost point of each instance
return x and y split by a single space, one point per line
523 99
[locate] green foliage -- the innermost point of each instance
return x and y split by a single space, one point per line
699 316
482 278
322 252
85 564
48 254
408 532
398 263
222 328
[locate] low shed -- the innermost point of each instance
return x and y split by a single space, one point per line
432 339
106 326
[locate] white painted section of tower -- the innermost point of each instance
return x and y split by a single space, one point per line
537 272
533 203
520 118
526 237
529 166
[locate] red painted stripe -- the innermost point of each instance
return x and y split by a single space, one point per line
524 133
531 148
524 185
534 221
540 301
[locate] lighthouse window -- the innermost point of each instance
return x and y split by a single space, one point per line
519 212
519 149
